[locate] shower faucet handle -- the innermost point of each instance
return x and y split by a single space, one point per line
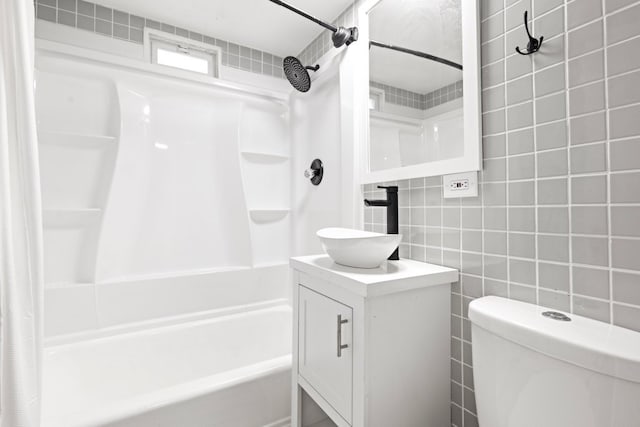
315 172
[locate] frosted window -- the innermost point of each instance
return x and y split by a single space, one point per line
172 51
182 61
375 99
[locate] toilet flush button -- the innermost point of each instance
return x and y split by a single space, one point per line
557 316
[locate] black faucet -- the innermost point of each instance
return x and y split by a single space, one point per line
392 213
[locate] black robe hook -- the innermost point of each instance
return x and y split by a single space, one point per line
534 44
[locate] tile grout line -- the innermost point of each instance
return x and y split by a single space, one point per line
507 168
569 175
536 217
608 154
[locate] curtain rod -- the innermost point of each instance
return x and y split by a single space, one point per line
416 53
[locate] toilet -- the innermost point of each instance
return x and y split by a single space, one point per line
535 367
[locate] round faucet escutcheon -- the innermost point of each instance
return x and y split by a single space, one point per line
315 172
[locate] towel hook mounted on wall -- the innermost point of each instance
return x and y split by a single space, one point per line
534 44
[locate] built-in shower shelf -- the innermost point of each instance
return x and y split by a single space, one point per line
268 215
66 285
68 215
261 157
73 139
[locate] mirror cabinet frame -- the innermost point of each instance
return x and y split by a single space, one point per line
472 104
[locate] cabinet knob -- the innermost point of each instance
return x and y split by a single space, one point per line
341 346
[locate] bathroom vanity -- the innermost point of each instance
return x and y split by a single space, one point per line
371 346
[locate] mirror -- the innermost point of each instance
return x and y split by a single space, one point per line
424 109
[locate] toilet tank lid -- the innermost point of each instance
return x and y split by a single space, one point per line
598 346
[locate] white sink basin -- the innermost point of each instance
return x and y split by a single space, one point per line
356 248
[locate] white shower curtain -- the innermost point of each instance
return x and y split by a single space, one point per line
21 276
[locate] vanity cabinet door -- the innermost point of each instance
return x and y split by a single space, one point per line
324 348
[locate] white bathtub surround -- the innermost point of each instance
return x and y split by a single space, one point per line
166 205
167 209
323 126
371 346
21 247
401 136
73 310
211 369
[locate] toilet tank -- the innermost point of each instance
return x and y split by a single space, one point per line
531 370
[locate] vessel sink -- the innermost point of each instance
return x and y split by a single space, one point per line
357 248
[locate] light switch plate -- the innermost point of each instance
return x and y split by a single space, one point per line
460 185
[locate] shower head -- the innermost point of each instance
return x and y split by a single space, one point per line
297 73
344 36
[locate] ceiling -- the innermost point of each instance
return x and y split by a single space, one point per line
259 24
432 26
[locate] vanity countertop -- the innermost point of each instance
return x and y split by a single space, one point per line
390 277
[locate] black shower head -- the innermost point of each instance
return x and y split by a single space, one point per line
344 36
297 73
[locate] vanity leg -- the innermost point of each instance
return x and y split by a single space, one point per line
296 390
296 405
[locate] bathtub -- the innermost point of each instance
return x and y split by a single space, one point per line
229 369
166 250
